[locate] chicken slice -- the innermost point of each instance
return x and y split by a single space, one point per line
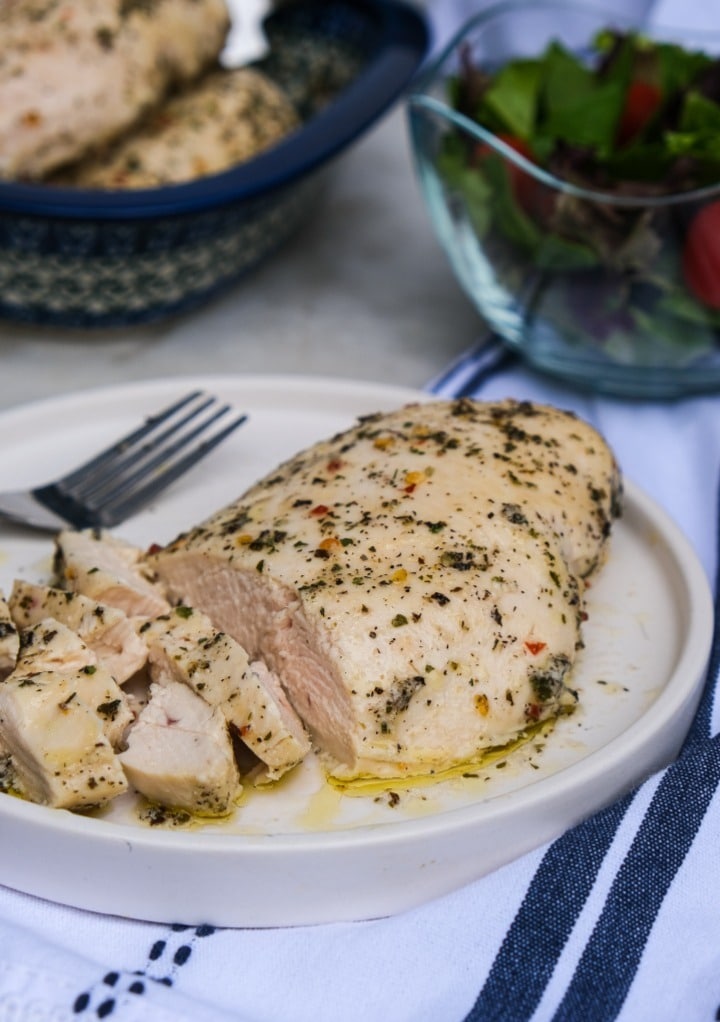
60 716
108 570
180 754
50 647
272 728
9 639
60 753
74 75
184 646
223 120
416 581
107 631
9 648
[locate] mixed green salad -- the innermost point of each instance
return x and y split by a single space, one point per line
630 118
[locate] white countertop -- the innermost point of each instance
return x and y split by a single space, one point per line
364 291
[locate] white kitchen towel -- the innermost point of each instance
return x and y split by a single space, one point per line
446 16
619 919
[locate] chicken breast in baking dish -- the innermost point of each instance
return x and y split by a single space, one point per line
415 582
75 75
223 120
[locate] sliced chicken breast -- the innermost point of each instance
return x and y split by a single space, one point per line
60 753
415 582
179 753
74 75
272 728
9 639
184 646
110 634
223 120
51 647
108 570
60 717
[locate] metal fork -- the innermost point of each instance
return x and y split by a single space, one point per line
122 479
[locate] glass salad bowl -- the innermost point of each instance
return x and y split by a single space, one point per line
570 165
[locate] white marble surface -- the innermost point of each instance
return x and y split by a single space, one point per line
364 291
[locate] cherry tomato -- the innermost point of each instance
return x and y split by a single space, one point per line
641 102
524 187
701 256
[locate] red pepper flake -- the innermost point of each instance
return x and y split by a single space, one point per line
319 510
412 480
535 647
154 548
334 465
533 711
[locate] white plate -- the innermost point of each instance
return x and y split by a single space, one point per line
302 853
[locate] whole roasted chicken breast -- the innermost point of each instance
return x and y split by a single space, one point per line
416 582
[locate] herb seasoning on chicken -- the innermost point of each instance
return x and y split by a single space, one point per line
62 716
415 582
9 639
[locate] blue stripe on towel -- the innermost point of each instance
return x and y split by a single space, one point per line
473 368
612 955
557 894
538 934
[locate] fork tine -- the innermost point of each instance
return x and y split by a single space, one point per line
130 472
108 472
119 447
151 460
131 500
